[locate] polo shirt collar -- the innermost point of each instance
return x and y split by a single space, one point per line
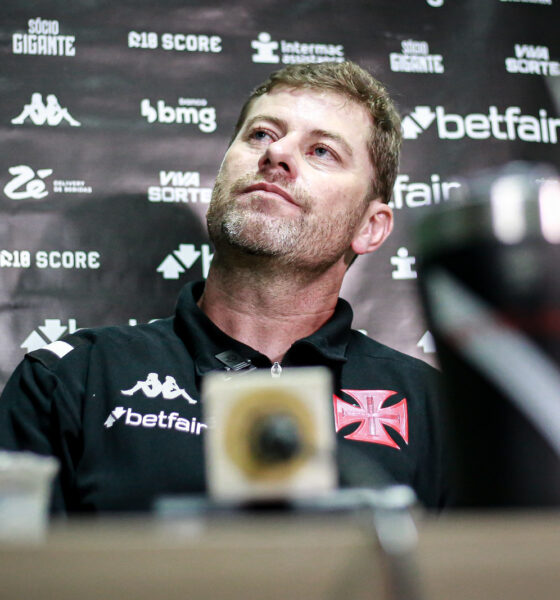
204 339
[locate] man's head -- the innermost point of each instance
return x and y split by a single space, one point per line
302 178
350 80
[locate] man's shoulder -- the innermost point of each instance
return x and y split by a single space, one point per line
77 346
366 348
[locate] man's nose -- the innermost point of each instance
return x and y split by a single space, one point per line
279 157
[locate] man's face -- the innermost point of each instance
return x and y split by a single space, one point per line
293 183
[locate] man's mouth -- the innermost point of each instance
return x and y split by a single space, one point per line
271 188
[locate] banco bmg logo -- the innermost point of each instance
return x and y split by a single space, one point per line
509 124
191 111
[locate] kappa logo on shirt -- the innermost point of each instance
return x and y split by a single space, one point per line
153 387
373 416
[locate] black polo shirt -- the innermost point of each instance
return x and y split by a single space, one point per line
119 407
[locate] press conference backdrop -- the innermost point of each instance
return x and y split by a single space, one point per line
114 117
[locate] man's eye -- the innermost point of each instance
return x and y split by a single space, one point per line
260 135
323 152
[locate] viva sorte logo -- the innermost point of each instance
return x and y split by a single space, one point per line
510 124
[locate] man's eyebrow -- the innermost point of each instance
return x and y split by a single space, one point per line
335 137
316 133
269 118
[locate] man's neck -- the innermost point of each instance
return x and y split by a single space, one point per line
269 309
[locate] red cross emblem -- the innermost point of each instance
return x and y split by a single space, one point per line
373 416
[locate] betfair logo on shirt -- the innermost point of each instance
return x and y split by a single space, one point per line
161 420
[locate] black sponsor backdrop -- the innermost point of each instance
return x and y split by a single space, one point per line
87 253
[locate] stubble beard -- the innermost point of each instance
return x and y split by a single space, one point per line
305 239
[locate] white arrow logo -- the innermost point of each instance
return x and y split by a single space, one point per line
175 264
115 415
187 254
52 330
418 120
427 343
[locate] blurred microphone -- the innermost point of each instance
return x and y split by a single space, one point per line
490 279
269 438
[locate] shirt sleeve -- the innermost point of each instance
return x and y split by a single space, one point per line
39 414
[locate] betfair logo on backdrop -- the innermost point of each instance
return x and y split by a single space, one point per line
415 57
192 111
532 60
508 125
269 51
416 194
186 255
180 42
179 186
49 113
42 38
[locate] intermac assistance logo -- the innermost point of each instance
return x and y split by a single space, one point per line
30 184
191 111
270 51
532 60
510 124
43 38
39 112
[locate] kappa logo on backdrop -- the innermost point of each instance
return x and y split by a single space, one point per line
270 51
373 416
42 38
415 57
45 113
152 387
176 263
509 125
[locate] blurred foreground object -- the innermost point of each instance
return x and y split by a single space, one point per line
490 277
25 492
269 438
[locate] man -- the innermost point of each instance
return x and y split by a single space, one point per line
302 190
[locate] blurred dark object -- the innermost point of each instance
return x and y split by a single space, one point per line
490 279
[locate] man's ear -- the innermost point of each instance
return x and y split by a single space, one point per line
374 229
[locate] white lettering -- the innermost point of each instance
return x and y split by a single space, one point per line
191 42
414 195
67 259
